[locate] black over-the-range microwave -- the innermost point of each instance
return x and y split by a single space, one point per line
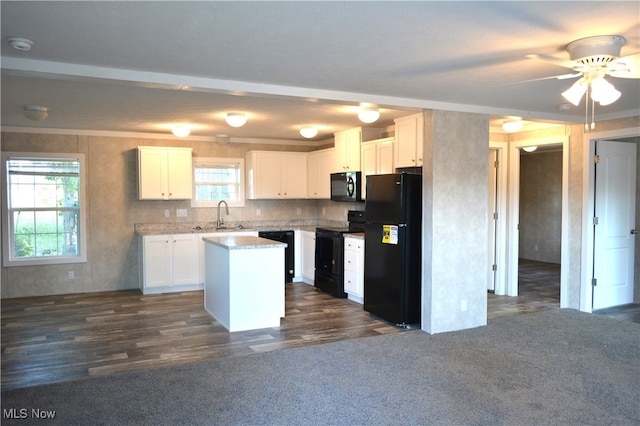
346 186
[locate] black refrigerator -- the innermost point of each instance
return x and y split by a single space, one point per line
393 248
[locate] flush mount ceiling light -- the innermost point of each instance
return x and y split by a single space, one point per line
308 132
530 148
511 126
236 119
20 43
368 114
181 130
35 113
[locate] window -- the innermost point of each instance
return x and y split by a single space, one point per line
44 204
217 179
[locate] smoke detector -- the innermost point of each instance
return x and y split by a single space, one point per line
20 43
35 112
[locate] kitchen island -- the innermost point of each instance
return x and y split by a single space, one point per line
244 281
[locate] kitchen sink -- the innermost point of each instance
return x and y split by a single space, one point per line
221 228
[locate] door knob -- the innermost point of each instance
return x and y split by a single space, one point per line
634 231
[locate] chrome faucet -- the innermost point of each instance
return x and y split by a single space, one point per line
220 221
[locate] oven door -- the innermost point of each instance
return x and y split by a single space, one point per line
329 248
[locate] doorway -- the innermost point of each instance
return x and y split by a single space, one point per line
559 143
540 223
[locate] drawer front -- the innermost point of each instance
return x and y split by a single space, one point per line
351 282
351 260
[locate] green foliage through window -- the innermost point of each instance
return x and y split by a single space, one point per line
43 201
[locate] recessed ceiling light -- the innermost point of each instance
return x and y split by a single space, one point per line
20 43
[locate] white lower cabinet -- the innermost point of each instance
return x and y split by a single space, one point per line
308 256
354 268
169 262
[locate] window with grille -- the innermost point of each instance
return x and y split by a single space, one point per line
217 179
44 204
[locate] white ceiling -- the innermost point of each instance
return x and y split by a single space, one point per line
141 66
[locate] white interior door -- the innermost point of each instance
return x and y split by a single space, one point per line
614 237
493 212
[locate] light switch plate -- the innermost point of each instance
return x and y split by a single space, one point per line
181 212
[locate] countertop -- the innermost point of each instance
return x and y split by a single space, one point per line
357 235
209 228
243 242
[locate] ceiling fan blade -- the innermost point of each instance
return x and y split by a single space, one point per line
553 77
625 67
551 59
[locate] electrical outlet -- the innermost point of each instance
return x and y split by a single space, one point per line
298 211
167 213
72 275
324 211
258 212
181 212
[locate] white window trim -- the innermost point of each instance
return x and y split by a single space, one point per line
82 222
241 192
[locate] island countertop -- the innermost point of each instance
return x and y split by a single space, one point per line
241 243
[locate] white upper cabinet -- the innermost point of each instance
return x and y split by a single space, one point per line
409 141
376 158
165 173
276 174
347 146
320 165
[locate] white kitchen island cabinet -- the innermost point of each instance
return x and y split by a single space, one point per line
244 282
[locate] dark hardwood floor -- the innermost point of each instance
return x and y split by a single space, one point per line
57 338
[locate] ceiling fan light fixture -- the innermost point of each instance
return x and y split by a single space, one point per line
575 93
368 114
603 92
236 119
35 112
512 126
308 132
181 130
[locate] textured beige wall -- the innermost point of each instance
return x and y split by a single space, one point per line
540 206
113 209
455 221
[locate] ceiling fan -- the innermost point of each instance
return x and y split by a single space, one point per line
591 59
